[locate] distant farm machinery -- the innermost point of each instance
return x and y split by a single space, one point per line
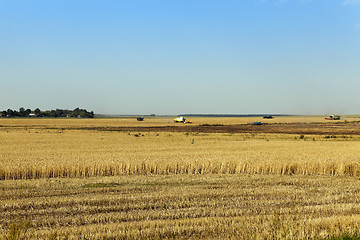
181 120
333 117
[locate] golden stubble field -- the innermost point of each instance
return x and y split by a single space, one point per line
58 182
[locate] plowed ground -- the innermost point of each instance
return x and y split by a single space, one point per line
282 128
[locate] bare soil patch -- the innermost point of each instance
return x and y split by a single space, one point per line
284 128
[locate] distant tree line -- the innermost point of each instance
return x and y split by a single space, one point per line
76 113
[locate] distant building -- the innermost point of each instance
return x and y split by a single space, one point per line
32 115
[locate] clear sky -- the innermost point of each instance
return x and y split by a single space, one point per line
181 56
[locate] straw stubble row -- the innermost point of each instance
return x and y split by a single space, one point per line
50 154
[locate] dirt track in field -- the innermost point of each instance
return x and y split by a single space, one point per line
288 128
315 128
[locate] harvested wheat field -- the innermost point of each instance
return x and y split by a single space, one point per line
290 178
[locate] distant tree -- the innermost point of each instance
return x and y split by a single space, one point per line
75 112
46 114
53 113
21 112
27 112
49 113
37 112
10 113
59 112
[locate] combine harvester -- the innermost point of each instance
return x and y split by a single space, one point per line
181 120
333 117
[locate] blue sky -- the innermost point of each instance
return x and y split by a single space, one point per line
181 56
